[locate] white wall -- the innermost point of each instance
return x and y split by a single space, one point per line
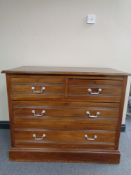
54 33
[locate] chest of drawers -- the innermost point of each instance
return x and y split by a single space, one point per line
65 114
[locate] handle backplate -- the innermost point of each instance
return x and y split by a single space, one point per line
92 92
34 91
35 137
92 116
90 138
38 114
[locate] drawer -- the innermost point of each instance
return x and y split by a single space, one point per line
63 110
95 90
85 138
37 87
65 115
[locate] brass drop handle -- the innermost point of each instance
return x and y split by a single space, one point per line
90 138
38 91
38 114
91 92
92 116
38 138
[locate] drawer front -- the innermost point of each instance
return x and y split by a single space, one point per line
37 87
58 115
50 109
43 138
95 90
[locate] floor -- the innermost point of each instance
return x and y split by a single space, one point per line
17 168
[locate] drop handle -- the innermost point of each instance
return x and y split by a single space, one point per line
91 92
92 116
35 137
34 91
90 138
38 114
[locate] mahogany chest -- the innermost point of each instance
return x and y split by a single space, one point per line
65 114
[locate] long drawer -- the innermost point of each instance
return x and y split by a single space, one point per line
44 109
65 115
44 138
95 89
37 87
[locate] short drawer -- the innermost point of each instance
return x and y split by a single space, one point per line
95 90
85 138
37 87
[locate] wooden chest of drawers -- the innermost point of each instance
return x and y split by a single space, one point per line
65 114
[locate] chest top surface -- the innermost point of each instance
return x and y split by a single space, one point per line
65 71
